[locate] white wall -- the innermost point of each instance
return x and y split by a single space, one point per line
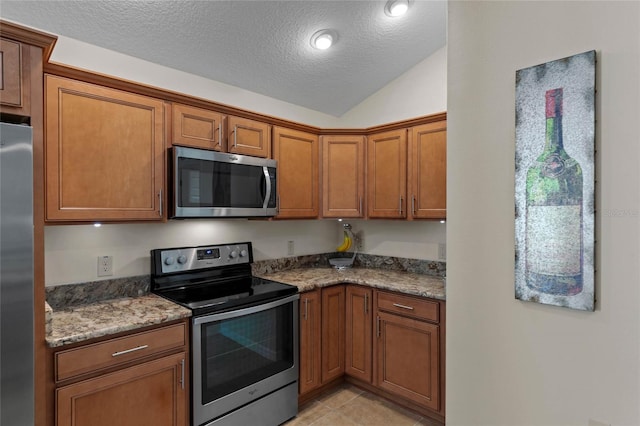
71 251
422 90
520 363
93 58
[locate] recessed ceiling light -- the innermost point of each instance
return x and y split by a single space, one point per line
323 39
396 7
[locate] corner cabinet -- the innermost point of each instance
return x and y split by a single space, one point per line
387 174
428 171
137 379
343 174
297 155
104 153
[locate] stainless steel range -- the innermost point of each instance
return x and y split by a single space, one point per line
244 335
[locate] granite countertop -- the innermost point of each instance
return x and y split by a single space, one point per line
83 322
403 282
77 323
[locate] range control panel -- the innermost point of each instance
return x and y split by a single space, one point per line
193 258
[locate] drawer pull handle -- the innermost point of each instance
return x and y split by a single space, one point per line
138 348
397 305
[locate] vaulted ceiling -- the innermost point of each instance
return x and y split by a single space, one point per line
261 46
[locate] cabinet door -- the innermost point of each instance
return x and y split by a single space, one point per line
297 156
407 359
249 137
196 127
152 393
333 312
428 171
342 176
10 73
310 365
359 326
104 153
387 174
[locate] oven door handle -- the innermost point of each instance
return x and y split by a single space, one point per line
245 311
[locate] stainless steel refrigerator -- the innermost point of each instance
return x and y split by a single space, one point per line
16 276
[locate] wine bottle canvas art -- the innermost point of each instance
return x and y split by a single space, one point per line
555 182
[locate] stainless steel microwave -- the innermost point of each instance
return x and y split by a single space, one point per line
216 184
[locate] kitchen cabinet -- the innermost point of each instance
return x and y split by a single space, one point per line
407 349
310 343
359 332
428 171
322 314
104 153
207 129
136 379
297 155
12 68
333 316
387 174
196 127
249 137
343 174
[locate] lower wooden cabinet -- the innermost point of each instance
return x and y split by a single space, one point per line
152 393
409 349
322 313
333 312
310 361
138 379
358 333
408 359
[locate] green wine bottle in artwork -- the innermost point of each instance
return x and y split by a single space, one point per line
554 246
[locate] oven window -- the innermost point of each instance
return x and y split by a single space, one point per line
216 184
243 350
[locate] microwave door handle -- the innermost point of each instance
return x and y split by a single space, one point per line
267 186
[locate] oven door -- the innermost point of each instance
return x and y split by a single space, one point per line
243 355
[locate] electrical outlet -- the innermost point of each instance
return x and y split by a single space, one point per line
105 266
442 251
290 248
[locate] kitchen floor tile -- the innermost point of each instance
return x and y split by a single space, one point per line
348 405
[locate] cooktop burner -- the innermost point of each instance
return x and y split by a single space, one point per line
211 278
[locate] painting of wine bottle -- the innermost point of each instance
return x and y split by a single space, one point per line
555 182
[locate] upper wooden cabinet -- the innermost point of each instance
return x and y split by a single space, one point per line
428 171
11 70
297 156
196 127
387 174
249 137
104 153
343 174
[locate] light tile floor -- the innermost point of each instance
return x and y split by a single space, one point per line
348 405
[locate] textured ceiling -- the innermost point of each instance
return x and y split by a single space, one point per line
261 46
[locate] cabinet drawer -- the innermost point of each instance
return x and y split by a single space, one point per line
88 358
409 306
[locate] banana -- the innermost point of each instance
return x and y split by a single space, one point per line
346 243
